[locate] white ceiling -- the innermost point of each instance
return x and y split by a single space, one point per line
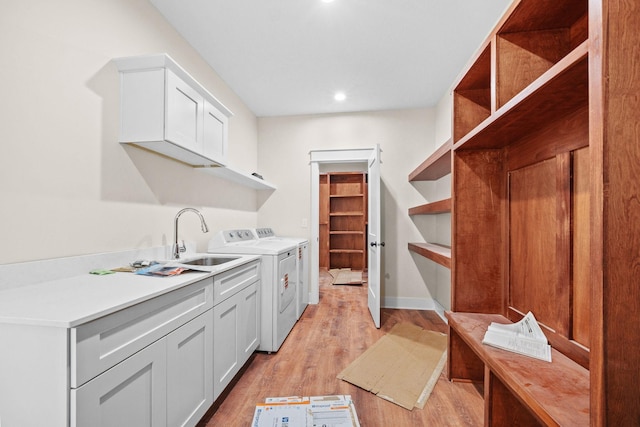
289 57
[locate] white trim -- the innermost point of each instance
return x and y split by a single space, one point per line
408 303
314 255
341 156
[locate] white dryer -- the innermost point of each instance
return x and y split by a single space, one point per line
302 264
278 281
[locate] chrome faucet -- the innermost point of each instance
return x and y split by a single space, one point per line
181 248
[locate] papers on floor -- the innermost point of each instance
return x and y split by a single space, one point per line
524 337
314 411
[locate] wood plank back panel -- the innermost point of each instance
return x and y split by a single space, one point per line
561 136
468 114
477 239
533 274
523 57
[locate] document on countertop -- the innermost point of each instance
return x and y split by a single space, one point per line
160 270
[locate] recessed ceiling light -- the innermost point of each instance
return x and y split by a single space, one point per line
340 96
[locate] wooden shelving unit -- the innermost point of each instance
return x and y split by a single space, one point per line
343 220
544 177
434 167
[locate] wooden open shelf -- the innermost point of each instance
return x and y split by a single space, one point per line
567 80
533 39
437 253
472 99
435 166
441 206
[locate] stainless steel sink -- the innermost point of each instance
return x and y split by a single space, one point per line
209 261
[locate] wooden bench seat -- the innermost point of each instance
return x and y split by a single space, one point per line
518 390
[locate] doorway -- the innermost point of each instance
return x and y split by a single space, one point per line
361 160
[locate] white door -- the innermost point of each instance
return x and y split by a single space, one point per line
375 239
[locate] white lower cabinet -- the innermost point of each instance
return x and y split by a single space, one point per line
236 330
168 383
157 363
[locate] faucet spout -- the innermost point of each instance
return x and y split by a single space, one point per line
176 247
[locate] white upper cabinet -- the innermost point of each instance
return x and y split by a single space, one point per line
163 109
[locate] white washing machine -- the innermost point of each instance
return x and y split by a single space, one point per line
278 281
302 264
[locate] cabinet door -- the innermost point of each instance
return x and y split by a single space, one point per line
226 327
132 393
190 371
214 134
250 321
183 121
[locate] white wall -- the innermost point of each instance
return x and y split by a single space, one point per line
67 187
406 138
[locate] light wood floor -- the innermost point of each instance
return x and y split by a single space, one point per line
328 337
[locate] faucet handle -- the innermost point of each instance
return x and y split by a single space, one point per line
182 247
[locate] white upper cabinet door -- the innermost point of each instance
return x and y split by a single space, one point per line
215 134
184 114
142 106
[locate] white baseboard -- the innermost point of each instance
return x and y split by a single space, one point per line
415 304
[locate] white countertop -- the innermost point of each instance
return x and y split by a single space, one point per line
72 301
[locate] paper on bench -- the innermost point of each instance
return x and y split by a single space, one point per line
524 337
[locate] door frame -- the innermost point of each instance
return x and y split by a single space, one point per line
357 155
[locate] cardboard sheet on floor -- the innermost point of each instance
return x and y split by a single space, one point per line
403 366
345 276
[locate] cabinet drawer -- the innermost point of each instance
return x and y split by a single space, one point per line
98 345
132 394
233 281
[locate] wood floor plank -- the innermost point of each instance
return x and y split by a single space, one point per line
326 339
